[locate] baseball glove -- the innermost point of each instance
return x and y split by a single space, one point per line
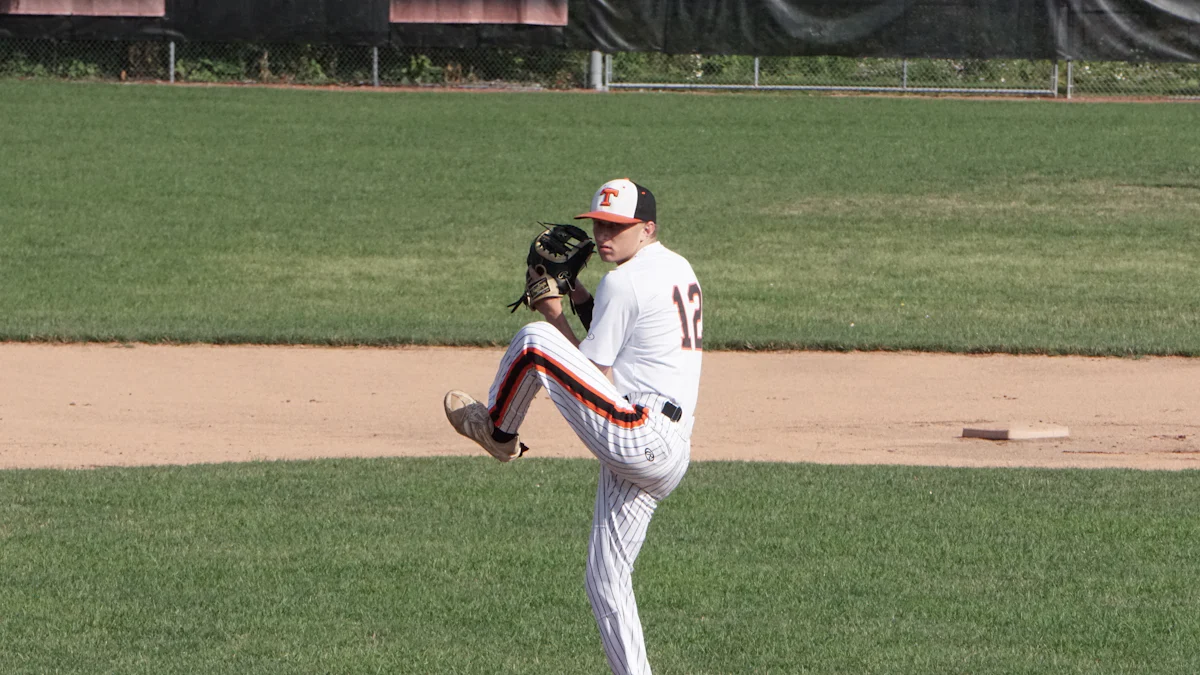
555 259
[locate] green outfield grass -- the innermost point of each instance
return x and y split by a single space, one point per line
227 214
466 566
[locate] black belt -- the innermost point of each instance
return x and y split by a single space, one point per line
672 411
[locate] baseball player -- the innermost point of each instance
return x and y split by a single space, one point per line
628 389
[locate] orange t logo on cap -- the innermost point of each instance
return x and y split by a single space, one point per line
609 192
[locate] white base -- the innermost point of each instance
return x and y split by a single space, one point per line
1017 432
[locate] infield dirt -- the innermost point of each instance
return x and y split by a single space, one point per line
91 405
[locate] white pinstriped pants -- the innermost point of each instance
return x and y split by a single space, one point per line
643 457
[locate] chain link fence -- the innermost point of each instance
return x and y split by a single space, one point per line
977 76
1117 78
833 73
341 65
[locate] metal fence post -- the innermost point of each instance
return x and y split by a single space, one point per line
171 68
1070 77
596 70
608 59
1054 79
756 72
375 66
904 76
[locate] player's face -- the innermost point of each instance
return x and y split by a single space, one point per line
617 242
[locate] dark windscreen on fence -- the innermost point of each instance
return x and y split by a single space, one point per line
1131 30
1124 30
361 22
921 28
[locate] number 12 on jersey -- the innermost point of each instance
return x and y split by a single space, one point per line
691 310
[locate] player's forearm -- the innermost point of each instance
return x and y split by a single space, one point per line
560 322
552 311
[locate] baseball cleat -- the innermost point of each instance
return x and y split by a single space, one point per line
471 419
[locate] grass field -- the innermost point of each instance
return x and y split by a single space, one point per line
226 215
464 566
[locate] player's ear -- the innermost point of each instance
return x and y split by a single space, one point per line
651 229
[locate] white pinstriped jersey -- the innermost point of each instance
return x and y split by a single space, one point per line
648 325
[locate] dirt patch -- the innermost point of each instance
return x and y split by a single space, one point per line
104 405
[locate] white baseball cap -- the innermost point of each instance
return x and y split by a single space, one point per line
622 201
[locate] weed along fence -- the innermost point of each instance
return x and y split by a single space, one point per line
932 76
519 68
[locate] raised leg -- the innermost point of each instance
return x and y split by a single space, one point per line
633 440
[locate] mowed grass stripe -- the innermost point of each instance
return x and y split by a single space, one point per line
251 215
463 566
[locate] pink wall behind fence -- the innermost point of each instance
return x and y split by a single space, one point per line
533 12
84 7
539 12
